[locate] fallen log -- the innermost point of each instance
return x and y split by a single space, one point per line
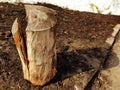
37 49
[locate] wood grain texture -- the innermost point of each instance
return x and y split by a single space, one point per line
39 61
41 56
20 45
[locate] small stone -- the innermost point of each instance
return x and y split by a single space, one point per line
101 78
65 32
1 6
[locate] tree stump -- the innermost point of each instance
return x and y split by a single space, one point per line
37 50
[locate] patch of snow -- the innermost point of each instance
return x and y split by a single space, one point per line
95 6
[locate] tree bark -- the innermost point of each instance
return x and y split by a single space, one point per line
38 50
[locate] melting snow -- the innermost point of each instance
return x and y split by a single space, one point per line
95 6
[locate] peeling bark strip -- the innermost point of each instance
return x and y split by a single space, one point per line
40 44
20 45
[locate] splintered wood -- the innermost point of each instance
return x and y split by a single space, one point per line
38 50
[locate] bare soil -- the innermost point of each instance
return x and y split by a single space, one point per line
78 35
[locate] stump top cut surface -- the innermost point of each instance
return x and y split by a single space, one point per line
40 18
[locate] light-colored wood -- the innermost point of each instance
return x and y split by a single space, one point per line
20 45
39 43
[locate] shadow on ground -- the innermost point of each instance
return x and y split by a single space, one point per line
71 63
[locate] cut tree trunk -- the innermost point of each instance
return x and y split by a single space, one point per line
38 49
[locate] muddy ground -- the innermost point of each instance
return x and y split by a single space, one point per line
81 48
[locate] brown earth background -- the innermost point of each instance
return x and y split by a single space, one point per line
81 48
